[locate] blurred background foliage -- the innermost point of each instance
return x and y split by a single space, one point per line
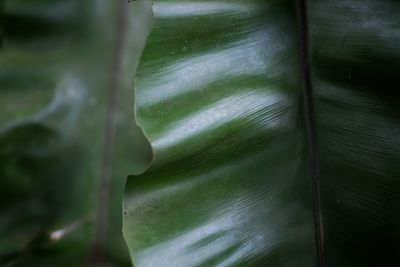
55 71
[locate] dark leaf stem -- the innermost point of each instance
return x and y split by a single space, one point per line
310 127
109 135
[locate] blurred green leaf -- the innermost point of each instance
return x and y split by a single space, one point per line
55 72
219 96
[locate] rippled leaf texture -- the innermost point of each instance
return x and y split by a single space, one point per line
356 60
219 98
54 81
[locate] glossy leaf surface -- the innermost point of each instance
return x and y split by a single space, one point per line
219 97
356 60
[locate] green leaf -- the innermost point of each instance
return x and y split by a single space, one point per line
356 57
219 97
